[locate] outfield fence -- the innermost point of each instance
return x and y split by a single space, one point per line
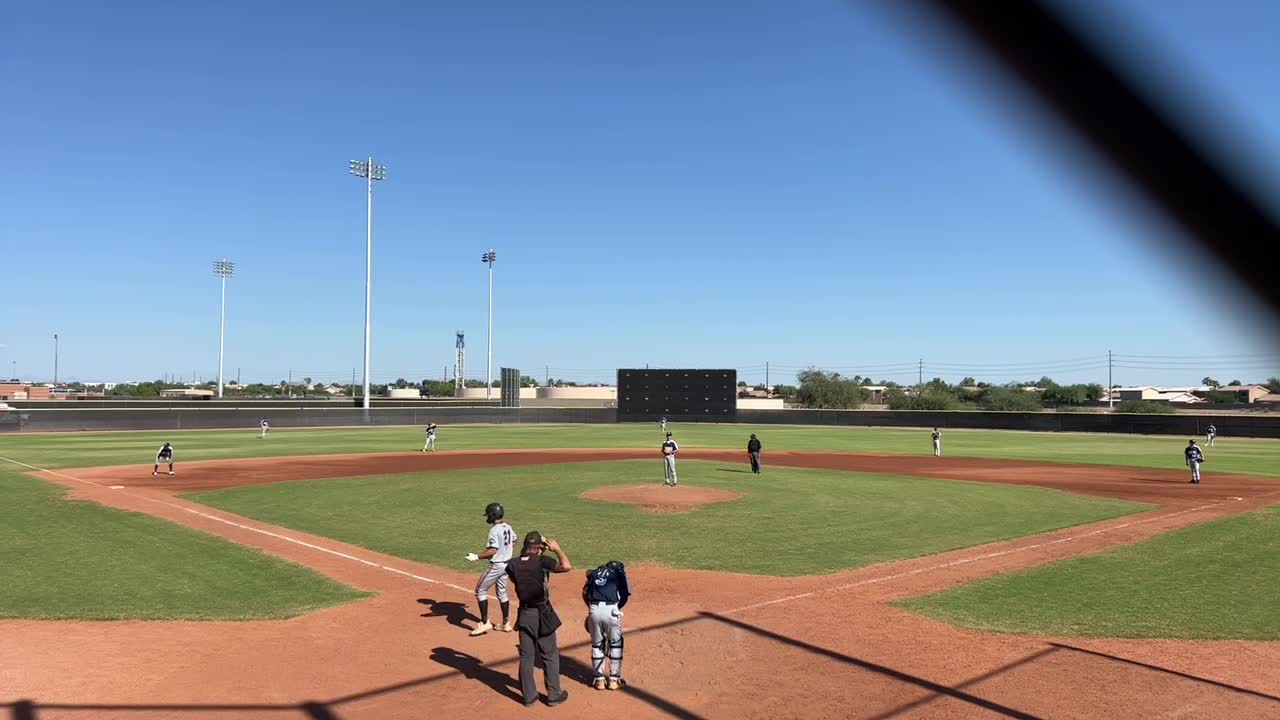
207 417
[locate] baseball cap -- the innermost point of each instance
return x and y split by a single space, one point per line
533 538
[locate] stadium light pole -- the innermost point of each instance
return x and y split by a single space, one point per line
223 269
488 258
55 359
370 171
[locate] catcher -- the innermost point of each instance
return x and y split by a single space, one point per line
606 592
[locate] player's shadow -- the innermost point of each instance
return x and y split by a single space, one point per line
1158 480
471 668
455 613
733 470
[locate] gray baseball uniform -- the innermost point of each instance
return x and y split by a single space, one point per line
669 450
502 538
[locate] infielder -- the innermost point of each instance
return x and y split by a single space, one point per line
606 592
1210 433
164 456
265 427
502 541
430 444
937 442
1194 456
669 450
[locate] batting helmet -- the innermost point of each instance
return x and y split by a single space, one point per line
493 512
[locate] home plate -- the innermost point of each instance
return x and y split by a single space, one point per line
117 487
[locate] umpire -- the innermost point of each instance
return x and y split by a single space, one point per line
753 451
537 620
606 592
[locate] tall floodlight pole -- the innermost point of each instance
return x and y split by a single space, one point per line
370 171
55 359
223 269
488 258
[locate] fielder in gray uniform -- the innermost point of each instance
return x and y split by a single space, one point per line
1210 434
502 541
669 450
1194 457
937 442
606 592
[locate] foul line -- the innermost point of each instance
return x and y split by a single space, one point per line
242 526
963 561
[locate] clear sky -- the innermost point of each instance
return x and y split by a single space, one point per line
709 184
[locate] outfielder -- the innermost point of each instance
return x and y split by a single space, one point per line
164 456
606 592
1210 433
669 450
937 442
265 427
1194 456
430 444
502 541
663 421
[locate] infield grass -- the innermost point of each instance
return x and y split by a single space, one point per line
1215 581
1235 455
79 560
790 521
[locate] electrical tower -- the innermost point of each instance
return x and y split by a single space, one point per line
459 369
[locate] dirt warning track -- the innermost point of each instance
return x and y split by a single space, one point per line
700 644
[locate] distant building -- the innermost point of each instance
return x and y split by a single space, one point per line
187 394
23 391
1154 394
1244 393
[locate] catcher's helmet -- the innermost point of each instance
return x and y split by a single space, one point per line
493 512
616 565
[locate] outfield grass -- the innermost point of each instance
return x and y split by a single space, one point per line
790 521
1214 581
79 560
1235 455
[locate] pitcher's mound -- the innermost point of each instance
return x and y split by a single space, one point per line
661 498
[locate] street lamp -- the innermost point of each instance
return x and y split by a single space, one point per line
370 171
223 269
488 258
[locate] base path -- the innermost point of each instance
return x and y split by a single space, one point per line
700 644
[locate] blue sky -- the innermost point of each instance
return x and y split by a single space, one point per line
677 184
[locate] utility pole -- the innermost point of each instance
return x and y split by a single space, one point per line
548 370
767 386
920 380
1111 403
55 359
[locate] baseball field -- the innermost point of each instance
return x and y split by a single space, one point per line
320 573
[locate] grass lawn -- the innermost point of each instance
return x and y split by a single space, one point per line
1235 455
789 522
80 560
1212 581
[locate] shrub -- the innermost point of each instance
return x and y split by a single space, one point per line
1013 399
1144 407
927 400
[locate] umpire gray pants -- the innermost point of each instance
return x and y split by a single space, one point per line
604 620
533 647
